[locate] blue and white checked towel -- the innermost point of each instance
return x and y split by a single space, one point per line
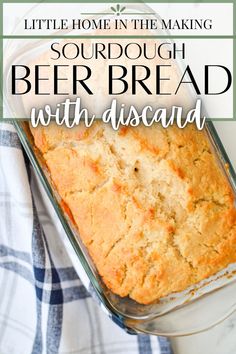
44 307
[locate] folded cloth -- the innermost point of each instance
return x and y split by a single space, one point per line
44 307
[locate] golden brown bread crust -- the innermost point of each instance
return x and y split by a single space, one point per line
151 205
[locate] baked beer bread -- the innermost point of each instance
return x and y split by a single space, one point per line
152 205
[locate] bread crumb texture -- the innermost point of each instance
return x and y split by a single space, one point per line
152 205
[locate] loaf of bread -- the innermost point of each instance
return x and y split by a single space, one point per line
152 205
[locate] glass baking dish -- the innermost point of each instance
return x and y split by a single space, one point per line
173 315
196 309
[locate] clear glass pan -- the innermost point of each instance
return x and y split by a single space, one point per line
189 312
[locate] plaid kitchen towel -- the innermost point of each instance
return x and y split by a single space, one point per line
44 307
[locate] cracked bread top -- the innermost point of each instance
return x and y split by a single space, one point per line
151 205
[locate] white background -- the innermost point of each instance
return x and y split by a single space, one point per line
199 52
221 14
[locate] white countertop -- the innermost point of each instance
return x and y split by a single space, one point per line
222 338
219 340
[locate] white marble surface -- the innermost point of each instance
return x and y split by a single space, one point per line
219 340
222 338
